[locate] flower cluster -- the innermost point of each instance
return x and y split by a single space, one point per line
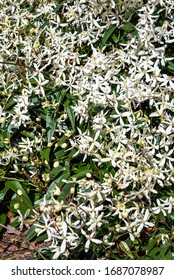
86 115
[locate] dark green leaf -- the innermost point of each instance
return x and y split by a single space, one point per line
2 220
82 173
108 33
62 140
42 237
125 248
32 233
171 67
129 28
70 114
3 193
15 186
9 104
60 154
154 253
28 134
129 14
57 182
45 153
59 6
55 171
152 242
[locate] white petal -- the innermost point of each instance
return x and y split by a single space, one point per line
97 241
63 246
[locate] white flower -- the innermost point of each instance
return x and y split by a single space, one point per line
159 208
120 115
127 228
95 221
142 222
164 157
57 252
166 81
163 238
92 208
45 226
67 237
90 238
20 116
63 237
26 144
169 204
22 218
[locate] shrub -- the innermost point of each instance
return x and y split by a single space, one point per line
86 126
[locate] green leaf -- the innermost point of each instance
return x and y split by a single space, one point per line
70 113
32 233
115 38
28 134
41 237
125 248
171 67
50 125
23 206
129 28
9 104
46 23
33 82
165 251
71 154
3 193
16 186
57 182
59 6
152 242
172 216
51 130
2 220
55 171
45 153
129 14
108 33
168 256
82 173
62 140
66 189
154 253
60 154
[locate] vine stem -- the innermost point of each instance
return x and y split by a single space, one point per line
11 229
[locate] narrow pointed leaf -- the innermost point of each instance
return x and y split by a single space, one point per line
125 248
108 33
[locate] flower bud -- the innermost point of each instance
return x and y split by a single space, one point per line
88 175
16 205
72 190
25 158
19 192
50 144
56 164
2 120
6 141
38 230
64 145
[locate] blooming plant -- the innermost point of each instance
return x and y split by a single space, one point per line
87 126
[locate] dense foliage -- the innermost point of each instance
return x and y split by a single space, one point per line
87 126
